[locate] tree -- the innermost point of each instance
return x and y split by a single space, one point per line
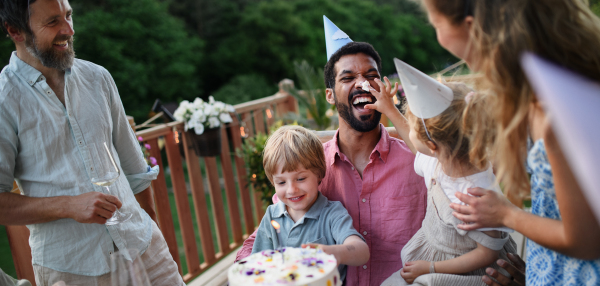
267 36
148 52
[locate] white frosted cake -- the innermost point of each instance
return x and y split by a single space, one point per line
287 266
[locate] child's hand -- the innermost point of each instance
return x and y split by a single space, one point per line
414 269
329 249
385 97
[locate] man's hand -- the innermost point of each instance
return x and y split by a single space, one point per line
516 270
414 269
93 207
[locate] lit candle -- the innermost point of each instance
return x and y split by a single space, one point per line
277 227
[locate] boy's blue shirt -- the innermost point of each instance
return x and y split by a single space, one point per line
326 222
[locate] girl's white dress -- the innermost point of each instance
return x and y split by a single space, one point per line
439 238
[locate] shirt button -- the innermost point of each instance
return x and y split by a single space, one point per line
364 200
352 168
80 142
110 253
49 92
364 267
364 233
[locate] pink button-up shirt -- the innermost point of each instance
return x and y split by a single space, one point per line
387 204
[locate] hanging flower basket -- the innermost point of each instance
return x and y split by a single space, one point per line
207 144
203 124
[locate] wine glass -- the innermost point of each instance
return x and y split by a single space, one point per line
105 179
127 269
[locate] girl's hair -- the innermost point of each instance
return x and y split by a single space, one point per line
563 31
293 146
453 128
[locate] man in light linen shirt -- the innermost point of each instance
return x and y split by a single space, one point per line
56 112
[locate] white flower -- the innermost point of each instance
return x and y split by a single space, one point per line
213 122
229 108
199 129
211 99
198 116
219 106
225 117
198 102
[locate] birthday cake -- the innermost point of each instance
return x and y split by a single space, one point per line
287 266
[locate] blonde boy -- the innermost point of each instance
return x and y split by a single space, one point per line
295 164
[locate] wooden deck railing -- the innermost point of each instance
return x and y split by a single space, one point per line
256 117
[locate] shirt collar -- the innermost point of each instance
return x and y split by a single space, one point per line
314 212
382 148
25 71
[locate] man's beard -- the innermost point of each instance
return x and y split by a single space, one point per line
366 123
49 57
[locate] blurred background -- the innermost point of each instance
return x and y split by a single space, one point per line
235 50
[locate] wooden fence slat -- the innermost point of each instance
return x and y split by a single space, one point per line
197 183
181 200
259 121
217 203
163 208
270 116
240 167
232 201
248 126
292 104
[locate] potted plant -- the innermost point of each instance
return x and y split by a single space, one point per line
202 122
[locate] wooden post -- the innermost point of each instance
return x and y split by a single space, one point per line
259 122
163 207
217 203
247 119
200 206
232 200
181 200
240 167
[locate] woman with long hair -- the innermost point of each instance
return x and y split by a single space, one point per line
563 246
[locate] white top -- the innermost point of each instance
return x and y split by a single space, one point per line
426 166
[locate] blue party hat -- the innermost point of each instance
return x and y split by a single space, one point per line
334 37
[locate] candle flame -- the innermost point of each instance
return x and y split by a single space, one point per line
176 137
253 176
269 113
275 225
243 132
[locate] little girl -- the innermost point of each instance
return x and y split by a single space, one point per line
439 116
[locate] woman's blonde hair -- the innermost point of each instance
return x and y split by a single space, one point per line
453 128
563 31
292 146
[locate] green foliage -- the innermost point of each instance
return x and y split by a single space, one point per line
252 152
147 51
595 6
243 88
266 37
312 96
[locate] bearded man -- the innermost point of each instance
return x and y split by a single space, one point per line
56 115
368 171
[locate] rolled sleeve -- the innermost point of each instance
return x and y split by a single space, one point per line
140 182
8 152
341 227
